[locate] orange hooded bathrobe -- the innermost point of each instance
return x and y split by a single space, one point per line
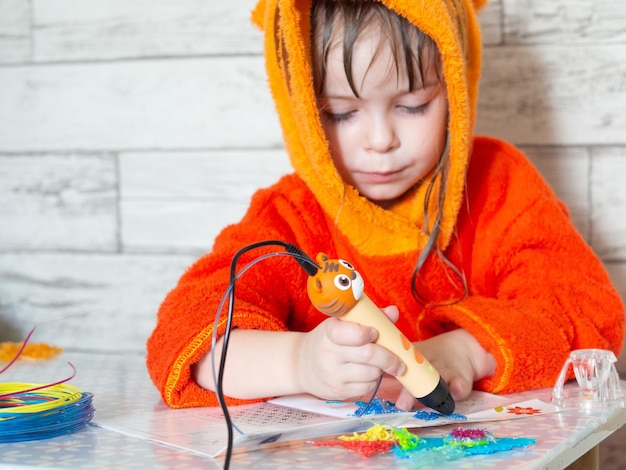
536 291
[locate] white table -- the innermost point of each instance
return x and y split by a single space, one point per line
120 385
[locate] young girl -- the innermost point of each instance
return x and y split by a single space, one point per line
478 259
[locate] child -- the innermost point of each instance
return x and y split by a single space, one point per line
484 269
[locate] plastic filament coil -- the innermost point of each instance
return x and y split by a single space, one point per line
47 412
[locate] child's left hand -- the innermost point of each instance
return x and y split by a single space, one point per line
458 357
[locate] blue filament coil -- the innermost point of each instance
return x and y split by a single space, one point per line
51 411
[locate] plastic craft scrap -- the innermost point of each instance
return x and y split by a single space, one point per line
34 351
379 406
377 439
375 407
457 444
460 443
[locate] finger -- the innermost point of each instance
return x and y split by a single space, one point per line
405 400
359 391
347 333
460 388
375 356
354 373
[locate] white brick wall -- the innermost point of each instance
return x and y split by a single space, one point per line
131 132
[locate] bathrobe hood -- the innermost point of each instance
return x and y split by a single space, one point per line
452 24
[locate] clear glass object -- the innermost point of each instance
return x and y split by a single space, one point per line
597 378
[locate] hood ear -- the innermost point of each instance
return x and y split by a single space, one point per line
258 15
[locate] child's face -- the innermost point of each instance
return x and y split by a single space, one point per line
387 139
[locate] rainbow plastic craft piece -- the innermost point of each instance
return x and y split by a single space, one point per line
377 439
424 451
460 443
337 290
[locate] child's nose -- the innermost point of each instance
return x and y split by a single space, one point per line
381 136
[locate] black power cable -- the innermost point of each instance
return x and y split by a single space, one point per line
307 264
311 268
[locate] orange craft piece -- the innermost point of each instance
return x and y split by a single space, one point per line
34 351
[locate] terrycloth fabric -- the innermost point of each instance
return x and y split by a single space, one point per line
536 290
454 27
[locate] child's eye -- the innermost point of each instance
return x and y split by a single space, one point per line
339 117
415 109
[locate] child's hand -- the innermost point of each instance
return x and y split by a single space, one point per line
338 360
460 360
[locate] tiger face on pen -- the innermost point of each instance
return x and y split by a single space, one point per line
336 288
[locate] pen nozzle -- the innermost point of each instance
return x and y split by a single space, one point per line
440 399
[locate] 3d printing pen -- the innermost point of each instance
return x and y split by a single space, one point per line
337 289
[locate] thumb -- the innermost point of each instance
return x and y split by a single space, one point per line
391 312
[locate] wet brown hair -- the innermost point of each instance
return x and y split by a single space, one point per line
340 23
413 51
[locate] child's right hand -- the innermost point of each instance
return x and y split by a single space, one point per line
460 360
339 360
